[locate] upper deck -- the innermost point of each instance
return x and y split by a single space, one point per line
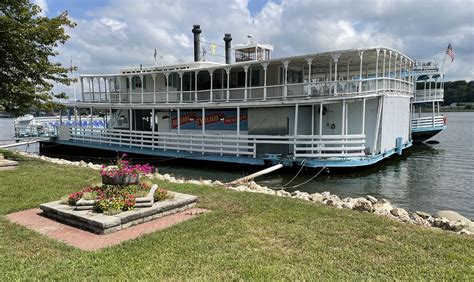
429 81
337 74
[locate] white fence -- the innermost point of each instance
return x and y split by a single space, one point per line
425 122
302 146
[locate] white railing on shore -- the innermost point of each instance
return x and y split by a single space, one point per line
425 122
302 146
429 95
258 93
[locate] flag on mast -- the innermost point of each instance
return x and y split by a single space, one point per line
450 52
155 56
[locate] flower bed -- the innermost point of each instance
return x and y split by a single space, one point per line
119 190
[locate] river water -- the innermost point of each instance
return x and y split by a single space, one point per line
427 177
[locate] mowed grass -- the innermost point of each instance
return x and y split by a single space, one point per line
246 236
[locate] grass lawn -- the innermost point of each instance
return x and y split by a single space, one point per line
245 236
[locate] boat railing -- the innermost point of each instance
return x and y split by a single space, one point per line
260 93
427 122
429 95
301 146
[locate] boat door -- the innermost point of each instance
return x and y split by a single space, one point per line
163 121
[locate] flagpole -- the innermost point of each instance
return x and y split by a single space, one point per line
444 60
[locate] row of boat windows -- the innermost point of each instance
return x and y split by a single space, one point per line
237 80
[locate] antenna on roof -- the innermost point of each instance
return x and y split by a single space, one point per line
204 52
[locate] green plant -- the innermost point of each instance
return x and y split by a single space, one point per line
161 194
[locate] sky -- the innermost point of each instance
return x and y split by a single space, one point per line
113 34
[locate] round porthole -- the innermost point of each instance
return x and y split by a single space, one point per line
333 126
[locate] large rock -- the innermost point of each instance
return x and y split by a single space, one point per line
382 208
316 197
372 199
418 220
454 217
362 204
401 214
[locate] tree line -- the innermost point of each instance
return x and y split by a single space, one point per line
459 91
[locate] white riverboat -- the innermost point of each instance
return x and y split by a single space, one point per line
429 92
342 108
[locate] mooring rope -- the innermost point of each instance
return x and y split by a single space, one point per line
298 185
301 168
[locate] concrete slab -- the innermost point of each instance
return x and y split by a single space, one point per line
84 240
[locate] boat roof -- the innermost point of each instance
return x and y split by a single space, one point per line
319 60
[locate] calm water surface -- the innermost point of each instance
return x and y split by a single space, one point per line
426 177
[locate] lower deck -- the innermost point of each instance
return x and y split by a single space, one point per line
347 132
246 160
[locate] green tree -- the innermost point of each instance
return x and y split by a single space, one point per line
28 42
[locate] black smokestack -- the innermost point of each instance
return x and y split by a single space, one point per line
228 55
197 41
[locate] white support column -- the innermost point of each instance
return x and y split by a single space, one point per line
330 70
179 120
130 80
180 87
152 118
395 70
384 75
100 92
265 66
310 64
361 56
238 120
153 75
142 91
335 57
343 119
246 68
433 113
285 77
109 125
363 116
105 89
321 107
92 118
203 121
377 71
93 90
120 89
389 70
238 129
130 112
312 120
196 86
75 116
82 89
167 78
228 85
211 93
295 131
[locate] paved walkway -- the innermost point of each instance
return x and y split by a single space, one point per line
88 241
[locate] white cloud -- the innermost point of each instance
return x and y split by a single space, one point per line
43 5
126 32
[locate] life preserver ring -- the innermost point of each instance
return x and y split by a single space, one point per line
445 120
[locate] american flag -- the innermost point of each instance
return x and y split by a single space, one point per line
450 52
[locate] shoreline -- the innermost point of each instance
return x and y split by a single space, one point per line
444 220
